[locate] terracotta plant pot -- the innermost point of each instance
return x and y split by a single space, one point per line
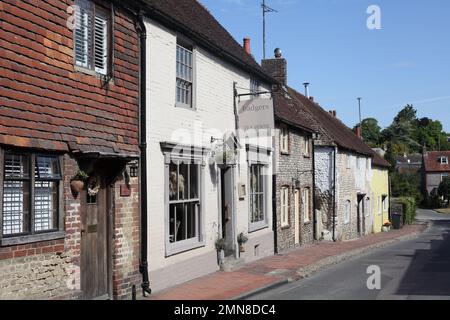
77 186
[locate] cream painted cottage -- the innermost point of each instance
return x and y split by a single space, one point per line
196 73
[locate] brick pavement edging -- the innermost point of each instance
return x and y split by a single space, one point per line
268 273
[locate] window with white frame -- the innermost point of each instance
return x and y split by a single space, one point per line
443 160
91 36
284 140
257 195
306 147
347 211
284 206
380 205
185 75
444 176
31 191
385 203
306 200
184 201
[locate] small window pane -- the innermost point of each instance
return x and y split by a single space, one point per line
16 208
45 205
16 166
47 168
173 181
194 177
183 180
182 222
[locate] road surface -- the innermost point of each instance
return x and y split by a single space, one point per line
410 270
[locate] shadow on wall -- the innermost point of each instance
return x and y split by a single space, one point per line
429 271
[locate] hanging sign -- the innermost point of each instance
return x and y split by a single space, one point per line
256 114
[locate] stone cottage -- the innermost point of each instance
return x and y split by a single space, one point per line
293 167
343 168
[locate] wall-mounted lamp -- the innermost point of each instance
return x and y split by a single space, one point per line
134 169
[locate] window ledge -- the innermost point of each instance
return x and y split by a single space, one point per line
284 153
185 106
259 228
32 238
285 227
182 249
93 73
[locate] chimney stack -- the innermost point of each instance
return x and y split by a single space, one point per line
358 131
276 67
247 47
306 85
333 113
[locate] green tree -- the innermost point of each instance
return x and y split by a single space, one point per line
444 190
429 133
407 114
371 132
406 185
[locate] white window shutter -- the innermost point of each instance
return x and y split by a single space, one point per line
101 43
83 33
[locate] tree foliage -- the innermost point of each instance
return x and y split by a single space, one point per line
371 132
444 189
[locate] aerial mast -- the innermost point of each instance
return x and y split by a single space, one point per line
266 9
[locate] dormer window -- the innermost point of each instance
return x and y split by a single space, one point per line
443 160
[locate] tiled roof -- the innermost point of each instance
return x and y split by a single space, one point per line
332 127
432 164
201 25
379 161
290 111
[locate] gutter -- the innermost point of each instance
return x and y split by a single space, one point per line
143 264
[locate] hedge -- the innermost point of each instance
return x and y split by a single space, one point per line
409 208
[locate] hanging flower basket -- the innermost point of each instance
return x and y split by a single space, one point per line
78 181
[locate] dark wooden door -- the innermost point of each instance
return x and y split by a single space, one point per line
94 245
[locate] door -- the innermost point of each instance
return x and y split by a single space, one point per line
297 216
227 210
94 244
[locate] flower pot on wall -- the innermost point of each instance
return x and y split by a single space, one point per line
220 257
76 186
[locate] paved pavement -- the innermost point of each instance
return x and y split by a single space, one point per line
418 268
280 269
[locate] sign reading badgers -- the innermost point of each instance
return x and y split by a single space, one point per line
256 114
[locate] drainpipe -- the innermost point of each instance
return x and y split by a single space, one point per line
143 265
334 194
314 190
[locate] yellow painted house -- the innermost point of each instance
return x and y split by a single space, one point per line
380 192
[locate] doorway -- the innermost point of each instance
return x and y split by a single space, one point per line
226 195
361 215
95 244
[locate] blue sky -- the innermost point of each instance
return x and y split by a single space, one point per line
327 43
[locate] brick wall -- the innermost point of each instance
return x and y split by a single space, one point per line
126 241
48 269
289 166
45 102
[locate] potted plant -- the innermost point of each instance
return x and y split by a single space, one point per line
242 239
220 247
386 226
78 180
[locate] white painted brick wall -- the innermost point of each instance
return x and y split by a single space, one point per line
214 111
